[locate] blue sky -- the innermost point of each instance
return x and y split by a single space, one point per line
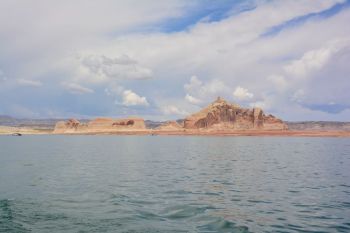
207 11
166 59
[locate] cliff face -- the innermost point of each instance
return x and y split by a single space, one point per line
218 116
100 125
170 126
221 115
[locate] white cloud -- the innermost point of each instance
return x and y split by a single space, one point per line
194 84
122 67
234 51
298 96
28 82
2 76
279 82
198 91
314 59
311 60
173 110
241 93
192 99
259 104
75 88
130 98
114 90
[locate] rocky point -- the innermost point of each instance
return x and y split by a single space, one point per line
222 115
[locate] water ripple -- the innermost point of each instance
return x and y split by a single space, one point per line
174 184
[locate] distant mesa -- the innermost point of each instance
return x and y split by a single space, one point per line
218 116
170 126
221 115
100 125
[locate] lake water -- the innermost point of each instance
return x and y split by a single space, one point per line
174 184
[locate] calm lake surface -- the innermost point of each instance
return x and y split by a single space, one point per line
174 184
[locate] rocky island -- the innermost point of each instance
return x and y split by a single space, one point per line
100 125
218 118
221 115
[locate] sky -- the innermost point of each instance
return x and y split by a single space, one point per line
166 59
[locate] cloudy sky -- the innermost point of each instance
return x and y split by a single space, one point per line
165 59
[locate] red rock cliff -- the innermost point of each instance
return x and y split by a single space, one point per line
221 115
100 125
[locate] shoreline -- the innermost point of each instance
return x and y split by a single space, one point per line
228 133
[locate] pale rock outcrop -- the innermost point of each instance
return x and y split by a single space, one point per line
100 125
69 126
218 116
103 124
170 126
221 115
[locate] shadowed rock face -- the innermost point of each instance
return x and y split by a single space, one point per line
170 126
221 115
100 125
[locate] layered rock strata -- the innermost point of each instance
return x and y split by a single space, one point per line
170 126
218 116
221 115
100 125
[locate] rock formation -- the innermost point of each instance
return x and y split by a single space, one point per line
170 126
103 124
218 116
100 125
69 126
221 115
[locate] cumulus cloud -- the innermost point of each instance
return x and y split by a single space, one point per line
2 76
198 91
311 60
314 59
298 96
278 81
192 99
173 110
28 82
130 98
194 84
266 49
259 104
114 90
241 93
122 67
75 88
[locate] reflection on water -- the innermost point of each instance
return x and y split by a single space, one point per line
174 184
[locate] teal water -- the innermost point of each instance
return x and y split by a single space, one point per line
174 184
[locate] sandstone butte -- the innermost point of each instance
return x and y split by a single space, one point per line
100 125
219 116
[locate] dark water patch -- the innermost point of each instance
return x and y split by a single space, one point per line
259 201
222 225
183 211
294 191
28 165
340 228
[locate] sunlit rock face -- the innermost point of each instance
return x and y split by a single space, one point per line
103 124
100 125
221 115
70 126
170 126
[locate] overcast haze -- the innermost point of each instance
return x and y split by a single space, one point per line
166 59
